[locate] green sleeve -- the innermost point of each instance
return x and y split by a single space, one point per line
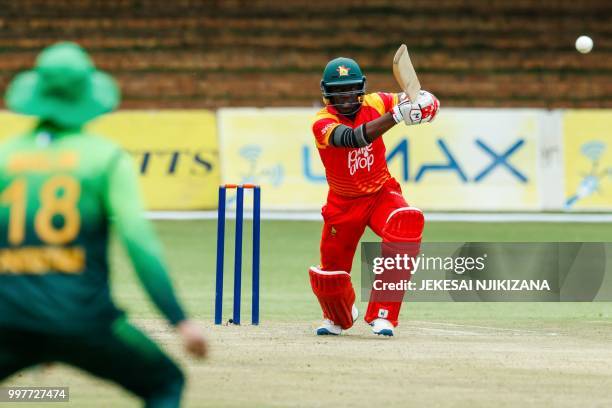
125 209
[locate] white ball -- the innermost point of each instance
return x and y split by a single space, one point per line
584 44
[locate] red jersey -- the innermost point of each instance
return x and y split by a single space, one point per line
354 172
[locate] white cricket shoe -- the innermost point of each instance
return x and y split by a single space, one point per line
329 328
382 327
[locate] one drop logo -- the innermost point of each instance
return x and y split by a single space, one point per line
360 159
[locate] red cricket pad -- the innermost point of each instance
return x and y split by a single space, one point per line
404 225
335 293
385 310
401 236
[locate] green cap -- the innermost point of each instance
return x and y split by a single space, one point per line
342 71
64 87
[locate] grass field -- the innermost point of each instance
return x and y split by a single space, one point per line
445 354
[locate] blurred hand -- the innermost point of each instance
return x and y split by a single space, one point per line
423 110
193 339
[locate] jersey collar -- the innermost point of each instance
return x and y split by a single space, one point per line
334 111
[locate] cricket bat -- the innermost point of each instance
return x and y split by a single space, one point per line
404 73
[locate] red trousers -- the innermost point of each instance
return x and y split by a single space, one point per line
345 222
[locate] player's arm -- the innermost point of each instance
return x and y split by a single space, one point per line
362 135
397 110
125 209
137 235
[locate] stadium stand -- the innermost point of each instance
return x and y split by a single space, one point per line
211 54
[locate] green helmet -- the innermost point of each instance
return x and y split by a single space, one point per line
342 71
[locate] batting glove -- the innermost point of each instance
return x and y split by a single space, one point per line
422 110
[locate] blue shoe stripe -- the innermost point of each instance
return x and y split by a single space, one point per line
322 331
385 332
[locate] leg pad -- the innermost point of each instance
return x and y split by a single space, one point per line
404 225
335 293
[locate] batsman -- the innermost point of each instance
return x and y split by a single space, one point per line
362 192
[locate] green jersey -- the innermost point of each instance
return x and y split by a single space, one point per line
59 191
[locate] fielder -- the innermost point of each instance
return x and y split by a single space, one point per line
61 189
362 192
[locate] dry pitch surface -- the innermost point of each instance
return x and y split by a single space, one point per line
445 354
428 363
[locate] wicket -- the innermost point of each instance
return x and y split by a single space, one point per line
238 252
